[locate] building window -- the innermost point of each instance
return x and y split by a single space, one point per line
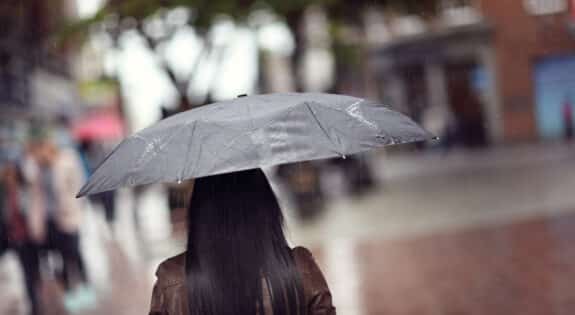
458 12
543 7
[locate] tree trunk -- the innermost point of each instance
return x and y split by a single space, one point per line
295 21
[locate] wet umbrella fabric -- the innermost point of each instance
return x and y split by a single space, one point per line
250 132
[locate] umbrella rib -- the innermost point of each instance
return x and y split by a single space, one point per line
185 167
321 127
250 114
379 129
156 152
331 108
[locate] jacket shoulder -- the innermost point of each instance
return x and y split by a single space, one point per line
302 256
307 266
172 271
317 293
313 279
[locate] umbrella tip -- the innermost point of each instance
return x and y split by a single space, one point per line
81 193
242 95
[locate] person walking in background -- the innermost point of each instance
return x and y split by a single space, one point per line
92 154
568 119
55 215
16 231
303 184
237 259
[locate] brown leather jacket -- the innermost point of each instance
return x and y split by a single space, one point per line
170 298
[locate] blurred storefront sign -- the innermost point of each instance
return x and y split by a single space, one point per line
102 125
463 15
408 25
543 7
443 80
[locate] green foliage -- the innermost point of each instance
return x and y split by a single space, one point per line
204 12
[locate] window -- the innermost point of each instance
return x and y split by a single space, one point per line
542 7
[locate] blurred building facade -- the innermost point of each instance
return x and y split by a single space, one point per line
34 69
496 71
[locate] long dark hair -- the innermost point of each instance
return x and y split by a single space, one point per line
237 254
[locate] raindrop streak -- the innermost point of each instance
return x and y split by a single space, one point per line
343 157
179 181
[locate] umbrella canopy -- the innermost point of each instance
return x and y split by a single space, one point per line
105 125
250 132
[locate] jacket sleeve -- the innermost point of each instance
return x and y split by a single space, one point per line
317 291
321 304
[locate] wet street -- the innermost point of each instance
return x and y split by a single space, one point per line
486 232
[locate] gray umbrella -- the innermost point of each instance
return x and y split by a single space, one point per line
251 132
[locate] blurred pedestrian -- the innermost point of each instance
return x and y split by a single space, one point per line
450 135
16 231
237 259
61 133
568 119
357 174
55 215
3 224
302 181
92 155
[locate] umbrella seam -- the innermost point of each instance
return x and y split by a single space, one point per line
161 148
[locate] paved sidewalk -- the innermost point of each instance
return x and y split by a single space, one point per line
421 194
12 290
437 162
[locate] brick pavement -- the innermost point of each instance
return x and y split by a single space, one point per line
525 268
